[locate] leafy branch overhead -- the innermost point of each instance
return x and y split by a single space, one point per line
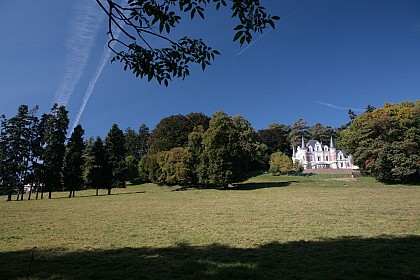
135 23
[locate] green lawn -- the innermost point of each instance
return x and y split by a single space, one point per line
286 227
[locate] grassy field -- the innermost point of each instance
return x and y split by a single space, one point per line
286 227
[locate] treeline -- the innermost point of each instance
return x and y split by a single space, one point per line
193 150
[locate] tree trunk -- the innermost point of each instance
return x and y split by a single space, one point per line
49 194
97 191
109 191
30 190
9 196
22 191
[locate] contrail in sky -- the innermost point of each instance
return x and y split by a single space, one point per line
281 20
338 107
84 27
104 59
102 63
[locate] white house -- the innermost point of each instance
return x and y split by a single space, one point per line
315 155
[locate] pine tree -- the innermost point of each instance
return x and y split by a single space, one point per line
98 174
298 130
143 135
115 151
73 161
16 143
54 140
132 143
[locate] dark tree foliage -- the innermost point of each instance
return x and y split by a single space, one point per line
276 138
17 139
195 149
136 142
3 157
369 108
224 158
132 169
298 130
73 161
198 119
132 143
248 140
321 133
142 22
56 124
149 168
98 172
352 115
170 132
173 131
115 156
385 143
144 135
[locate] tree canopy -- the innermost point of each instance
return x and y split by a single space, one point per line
385 142
141 22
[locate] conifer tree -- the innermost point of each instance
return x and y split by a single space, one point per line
115 156
73 161
98 171
54 141
16 142
143 135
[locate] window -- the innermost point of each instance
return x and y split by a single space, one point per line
319 158
326 158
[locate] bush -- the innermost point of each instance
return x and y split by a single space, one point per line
280 163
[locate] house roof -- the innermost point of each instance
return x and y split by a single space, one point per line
311 143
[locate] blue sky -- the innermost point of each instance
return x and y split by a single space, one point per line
324 57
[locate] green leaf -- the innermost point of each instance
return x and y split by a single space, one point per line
161 26
242 40
237 35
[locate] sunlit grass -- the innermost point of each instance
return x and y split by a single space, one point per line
263 210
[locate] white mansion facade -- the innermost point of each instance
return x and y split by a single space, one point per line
315 155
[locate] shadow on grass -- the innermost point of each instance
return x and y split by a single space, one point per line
256 186
92 195
242 186
342 258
